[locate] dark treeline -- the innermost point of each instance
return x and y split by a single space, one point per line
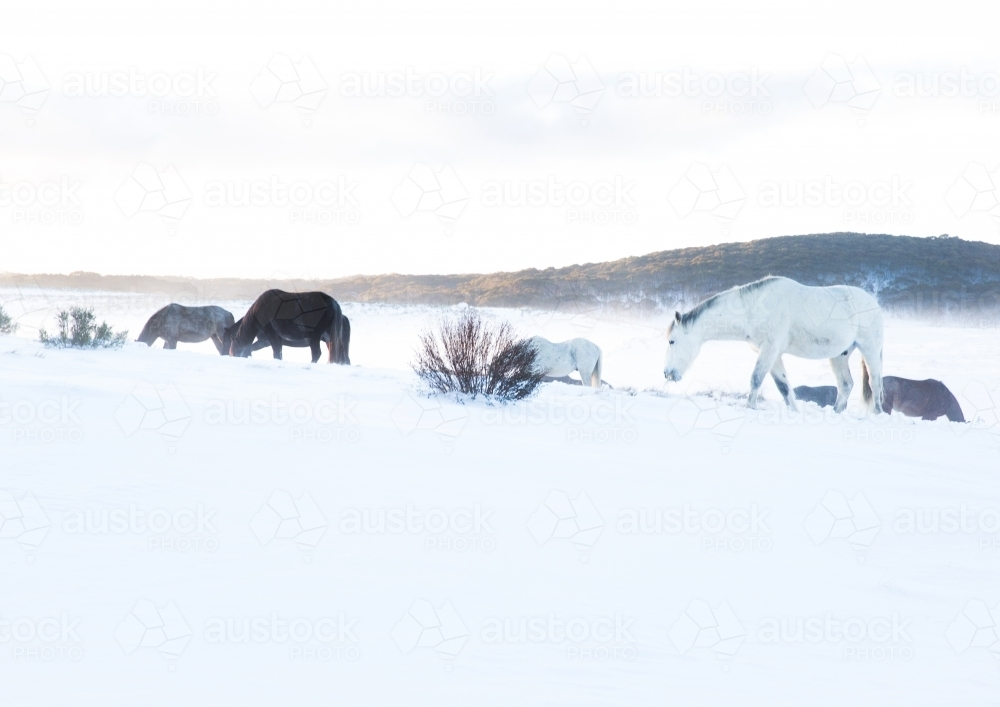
926 277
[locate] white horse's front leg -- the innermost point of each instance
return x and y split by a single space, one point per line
765 362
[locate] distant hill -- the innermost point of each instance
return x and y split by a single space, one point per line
920 276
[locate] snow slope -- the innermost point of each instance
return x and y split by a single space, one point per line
491 516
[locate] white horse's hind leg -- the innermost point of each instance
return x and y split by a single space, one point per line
587 367
873 362
781 380
871 337
845 382
769 355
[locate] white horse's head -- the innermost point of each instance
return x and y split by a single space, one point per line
684 347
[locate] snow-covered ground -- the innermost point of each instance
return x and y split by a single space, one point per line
181 527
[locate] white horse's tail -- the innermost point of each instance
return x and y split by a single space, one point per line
595 377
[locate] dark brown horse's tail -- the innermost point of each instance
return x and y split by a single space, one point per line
954 410
345 340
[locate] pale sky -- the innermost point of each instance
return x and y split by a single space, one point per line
717 156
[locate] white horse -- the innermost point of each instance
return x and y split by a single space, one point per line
561 359
777 316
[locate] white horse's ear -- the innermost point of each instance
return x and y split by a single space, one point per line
677 316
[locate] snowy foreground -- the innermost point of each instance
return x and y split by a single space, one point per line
183 528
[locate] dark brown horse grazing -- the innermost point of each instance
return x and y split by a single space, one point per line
927 399
262 342
292 319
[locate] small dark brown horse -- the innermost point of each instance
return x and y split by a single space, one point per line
927 399
292 319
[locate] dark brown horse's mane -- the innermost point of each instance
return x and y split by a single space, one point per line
250 324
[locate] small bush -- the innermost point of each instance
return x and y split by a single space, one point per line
7 325
468 355
78 328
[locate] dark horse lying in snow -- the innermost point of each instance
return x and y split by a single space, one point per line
175 322
927 399
292 319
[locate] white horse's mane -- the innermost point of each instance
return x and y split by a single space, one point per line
705 305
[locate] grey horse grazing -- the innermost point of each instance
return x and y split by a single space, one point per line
927 399
189 325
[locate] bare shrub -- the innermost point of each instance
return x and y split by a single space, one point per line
78 328
468 355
